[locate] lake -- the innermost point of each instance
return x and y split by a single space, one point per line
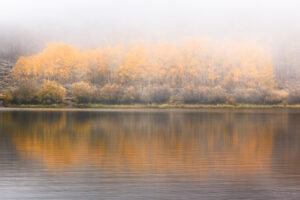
150 154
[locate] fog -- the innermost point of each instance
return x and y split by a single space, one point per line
92 23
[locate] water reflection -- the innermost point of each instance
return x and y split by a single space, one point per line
251 154
191 144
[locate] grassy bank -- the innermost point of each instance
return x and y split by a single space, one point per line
159 106
36 106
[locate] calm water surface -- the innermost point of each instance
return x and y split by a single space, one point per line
150 154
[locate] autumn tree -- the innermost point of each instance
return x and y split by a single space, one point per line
192 71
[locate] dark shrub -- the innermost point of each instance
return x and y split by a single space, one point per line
51 93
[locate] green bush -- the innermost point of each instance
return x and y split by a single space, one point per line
160 94
23 94
130 95
294 96
51 93
215 95
190 95
111 93
248 95
117 94
276 96
82 92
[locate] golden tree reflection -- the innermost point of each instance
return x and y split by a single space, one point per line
193 144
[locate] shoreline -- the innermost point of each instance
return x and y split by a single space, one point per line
152 106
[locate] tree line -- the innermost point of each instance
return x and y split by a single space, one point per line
190 72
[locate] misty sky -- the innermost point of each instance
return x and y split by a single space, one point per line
93 22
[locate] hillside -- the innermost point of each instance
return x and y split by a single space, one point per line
5 77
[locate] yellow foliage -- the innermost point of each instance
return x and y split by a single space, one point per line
82 92
178 65
51 93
